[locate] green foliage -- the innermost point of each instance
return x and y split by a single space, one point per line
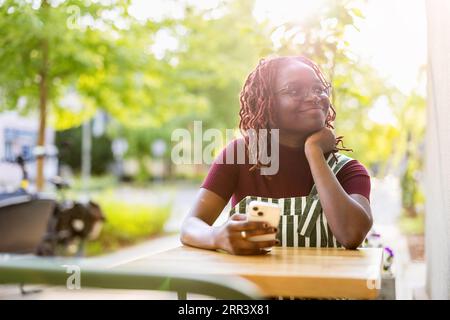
216 52
107 64
411 139
412 225
126 224
412 194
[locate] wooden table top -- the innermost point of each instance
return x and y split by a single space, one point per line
289 272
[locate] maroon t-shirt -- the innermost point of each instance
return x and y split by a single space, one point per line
294 178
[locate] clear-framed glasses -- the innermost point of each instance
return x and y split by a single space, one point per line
299 92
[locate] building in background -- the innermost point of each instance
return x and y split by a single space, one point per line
18 136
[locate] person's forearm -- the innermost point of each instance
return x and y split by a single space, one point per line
197 233
348 220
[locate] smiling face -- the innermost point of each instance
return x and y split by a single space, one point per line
301 99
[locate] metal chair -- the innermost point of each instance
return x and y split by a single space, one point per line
23 223
17 269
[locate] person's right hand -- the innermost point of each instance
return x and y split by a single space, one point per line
229 236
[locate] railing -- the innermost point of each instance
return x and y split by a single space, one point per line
18 269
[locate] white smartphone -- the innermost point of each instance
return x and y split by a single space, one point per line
267 212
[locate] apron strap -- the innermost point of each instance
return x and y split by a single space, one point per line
241 206
313 207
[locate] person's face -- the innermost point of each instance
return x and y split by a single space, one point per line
302 102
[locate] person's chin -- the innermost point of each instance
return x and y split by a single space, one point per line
313 125
308 125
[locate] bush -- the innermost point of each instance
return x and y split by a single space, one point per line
69 143
126 224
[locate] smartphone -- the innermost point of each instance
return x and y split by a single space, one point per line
267 212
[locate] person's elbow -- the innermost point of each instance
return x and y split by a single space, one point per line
355 237
351 244
184 232
183 239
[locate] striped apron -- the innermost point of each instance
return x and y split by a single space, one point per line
302 223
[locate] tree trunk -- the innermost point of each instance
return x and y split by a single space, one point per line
43 95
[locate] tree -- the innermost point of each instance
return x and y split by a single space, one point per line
357 87
203 75
94 49
219 47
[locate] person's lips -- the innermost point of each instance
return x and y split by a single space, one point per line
309 107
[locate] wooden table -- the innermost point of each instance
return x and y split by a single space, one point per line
299 272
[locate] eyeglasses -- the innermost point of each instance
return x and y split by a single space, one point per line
301 92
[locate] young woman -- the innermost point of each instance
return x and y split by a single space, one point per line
324 195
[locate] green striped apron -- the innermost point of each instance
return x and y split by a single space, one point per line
302 223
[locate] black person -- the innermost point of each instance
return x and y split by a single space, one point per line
325 203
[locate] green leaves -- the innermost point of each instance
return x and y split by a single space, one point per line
89 52
109 59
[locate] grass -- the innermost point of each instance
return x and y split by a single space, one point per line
126 224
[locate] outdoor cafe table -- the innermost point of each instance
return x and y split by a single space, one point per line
287 272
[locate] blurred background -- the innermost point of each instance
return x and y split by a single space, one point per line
92 90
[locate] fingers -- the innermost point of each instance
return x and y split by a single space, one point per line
246 244
246 247
257 232
241 246
240 223
248 225
259 244
238 217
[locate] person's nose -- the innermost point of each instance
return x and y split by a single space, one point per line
310 97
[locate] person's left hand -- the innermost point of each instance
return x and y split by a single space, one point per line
324 139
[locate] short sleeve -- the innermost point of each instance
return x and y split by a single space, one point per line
354 178
223 177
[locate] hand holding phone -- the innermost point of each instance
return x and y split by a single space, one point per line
263 211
